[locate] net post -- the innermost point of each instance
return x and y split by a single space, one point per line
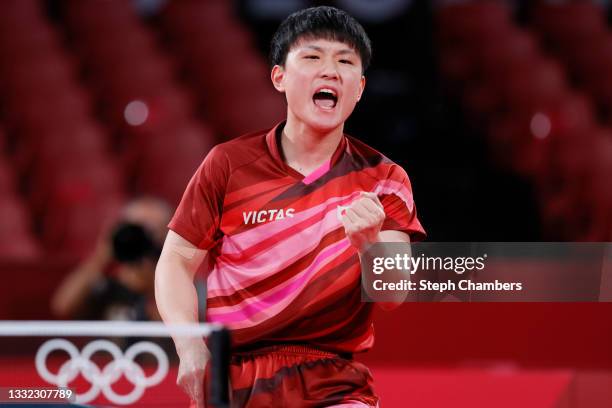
218 392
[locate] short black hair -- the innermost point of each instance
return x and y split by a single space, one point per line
325 22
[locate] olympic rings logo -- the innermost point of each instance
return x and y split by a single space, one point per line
101 380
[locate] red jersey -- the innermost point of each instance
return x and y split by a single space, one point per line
283 270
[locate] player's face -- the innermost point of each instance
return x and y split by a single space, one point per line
322 81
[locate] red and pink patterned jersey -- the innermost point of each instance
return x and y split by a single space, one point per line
282 269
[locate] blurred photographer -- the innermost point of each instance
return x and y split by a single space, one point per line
116 282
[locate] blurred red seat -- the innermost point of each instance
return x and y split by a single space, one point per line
151 112
519 86
4 142
571 114
596 78
17 8
570 159
460 23
188 140
74 180
14 217
539 86
497 56
126 77
22 246
235 114
599 192
34 70
576 201
186 19
170 183
577 32
74 228
21 38
37 114
84 139
571 21
147 108
98 15
19 17
200 45
167 162
150 145
519 140
102 54
245 67
8 184
586 58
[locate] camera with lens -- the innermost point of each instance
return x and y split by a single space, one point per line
133 243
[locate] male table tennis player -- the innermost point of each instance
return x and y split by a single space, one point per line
285 214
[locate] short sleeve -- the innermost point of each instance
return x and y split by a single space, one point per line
398 202
198 215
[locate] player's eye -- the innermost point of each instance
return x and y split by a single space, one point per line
345 61
312 57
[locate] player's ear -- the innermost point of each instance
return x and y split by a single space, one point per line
278 75
362 83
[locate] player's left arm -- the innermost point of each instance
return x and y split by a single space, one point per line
395 236
362 223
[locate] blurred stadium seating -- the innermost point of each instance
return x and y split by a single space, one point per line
227 71
515 86
95 109
99 103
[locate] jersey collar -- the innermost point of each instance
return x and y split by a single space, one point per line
273 140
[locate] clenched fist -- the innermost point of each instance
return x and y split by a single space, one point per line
362 220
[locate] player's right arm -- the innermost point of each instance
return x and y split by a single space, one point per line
177 301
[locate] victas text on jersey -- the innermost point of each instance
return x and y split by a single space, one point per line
257 217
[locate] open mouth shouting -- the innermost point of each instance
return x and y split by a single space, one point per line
325 98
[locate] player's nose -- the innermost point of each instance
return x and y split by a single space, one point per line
329 70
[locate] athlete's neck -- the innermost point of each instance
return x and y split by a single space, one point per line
306 149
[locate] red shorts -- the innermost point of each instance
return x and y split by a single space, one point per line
299 376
